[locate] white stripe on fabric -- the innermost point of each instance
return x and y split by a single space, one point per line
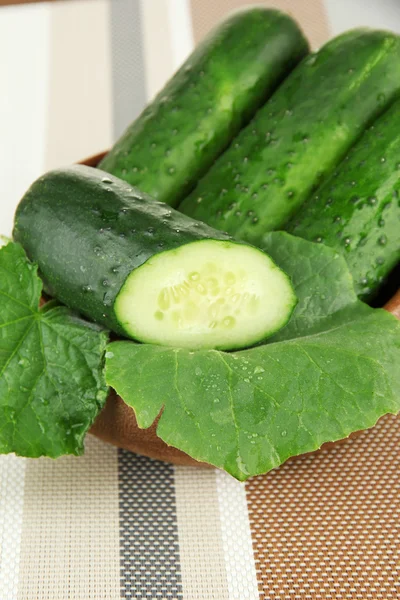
236 538
344 15
24 76
180 23
12 477
157 41
201 551
79 92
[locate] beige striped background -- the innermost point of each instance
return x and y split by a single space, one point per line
70 533
325 527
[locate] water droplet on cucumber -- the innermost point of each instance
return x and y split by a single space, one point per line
382 241
107 299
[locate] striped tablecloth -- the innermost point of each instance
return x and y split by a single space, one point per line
115 525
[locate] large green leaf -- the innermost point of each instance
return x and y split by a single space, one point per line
333 370
51 380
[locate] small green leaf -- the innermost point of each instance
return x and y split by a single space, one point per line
51 381
333 370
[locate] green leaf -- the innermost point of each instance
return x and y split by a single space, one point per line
51 381
322 281
333 370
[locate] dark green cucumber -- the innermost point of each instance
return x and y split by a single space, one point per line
144 270
204 105
299 135
357 210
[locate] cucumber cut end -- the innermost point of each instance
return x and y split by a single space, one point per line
205 294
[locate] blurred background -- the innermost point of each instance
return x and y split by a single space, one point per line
74 73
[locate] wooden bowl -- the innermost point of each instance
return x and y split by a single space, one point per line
117 423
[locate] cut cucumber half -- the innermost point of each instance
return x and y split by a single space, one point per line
207 294
145 270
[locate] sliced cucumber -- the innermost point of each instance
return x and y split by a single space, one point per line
145 270
209 294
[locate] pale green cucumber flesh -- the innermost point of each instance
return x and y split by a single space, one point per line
205 294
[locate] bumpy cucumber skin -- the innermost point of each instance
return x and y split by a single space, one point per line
299 135
357 210
218 89
88 230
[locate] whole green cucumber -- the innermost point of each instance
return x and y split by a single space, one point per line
144 270
217 90
357 210
299 135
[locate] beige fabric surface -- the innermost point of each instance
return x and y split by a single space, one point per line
111 525
70 535
310 14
